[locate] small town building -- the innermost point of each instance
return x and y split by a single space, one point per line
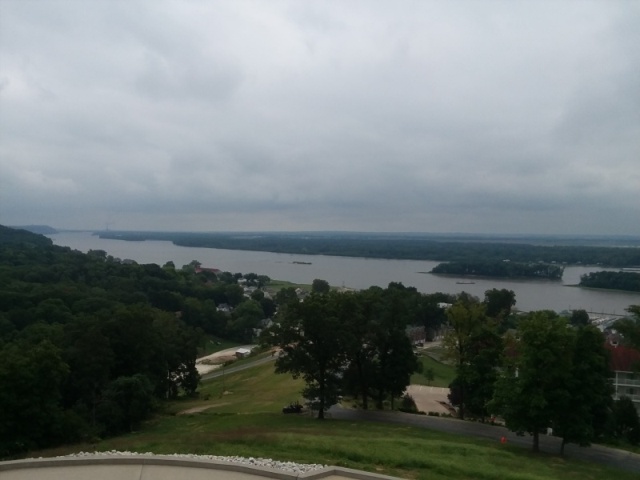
625 365
243 353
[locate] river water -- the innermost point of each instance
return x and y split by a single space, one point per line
362 273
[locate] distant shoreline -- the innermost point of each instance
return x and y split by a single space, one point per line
417 247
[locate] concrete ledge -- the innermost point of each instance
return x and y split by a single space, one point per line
141 467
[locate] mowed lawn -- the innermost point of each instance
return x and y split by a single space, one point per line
443 374
246 420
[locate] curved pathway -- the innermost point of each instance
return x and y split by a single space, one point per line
548 444
231 369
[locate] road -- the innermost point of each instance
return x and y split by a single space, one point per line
548 444
227 370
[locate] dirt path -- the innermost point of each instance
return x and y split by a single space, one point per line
214 361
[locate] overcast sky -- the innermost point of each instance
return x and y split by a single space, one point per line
430 116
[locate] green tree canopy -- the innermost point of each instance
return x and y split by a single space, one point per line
498 303
465 323
310 336
320 286
582 417
533 387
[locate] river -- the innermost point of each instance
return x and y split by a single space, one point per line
362 273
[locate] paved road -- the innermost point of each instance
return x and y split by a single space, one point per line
548 444
227 370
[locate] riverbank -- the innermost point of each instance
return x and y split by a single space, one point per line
360 273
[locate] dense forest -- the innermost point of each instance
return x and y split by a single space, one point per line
629 281
408 247
501 269
89 344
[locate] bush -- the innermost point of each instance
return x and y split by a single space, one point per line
627 421
127 401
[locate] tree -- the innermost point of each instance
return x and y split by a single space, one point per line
481 372
257 295
498 303
191 266
310 335
234 294
581 418
465 320
177 363
286 296
393 352
358 377
127 401
626 420
268 307
429 314
244 319
320 286
90 359
579 318
429 375
379 353
629 327
32 375
533 386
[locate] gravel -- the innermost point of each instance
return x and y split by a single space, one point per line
289 467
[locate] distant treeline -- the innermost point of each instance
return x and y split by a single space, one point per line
501 269
405 247
628 281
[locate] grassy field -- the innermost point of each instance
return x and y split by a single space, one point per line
275 286
245 420
443 374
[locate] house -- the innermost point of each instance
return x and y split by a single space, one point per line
243 353
262 325
625 365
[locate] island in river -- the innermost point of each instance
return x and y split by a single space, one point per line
624 281
500 269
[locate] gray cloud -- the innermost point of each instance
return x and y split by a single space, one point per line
380 116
